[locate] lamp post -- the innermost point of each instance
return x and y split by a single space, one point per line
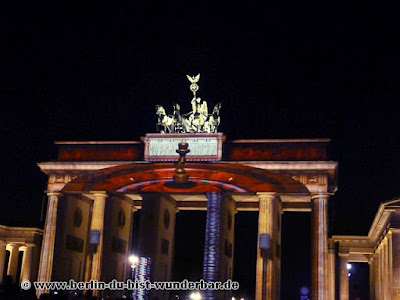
134 261
195 296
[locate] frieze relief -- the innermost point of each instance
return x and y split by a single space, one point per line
62 177
311 179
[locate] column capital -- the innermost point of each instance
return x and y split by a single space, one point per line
320 195
53 193
371 259
13 245
25 246
267 195
102 194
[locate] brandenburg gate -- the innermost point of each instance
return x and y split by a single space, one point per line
95 186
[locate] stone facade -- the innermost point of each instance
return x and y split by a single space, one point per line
380 249
92 186
14 243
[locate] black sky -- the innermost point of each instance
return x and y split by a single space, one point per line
93 70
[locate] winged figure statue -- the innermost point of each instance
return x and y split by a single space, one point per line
193 79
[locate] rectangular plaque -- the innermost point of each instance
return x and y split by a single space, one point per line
74 243
118 245
202 146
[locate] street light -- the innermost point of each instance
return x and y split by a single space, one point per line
134 260
349 268
195 296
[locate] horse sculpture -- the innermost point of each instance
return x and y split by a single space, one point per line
177 123
213 120
164 120
181 122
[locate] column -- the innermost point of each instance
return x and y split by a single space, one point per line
212 242
378 285
13 262
27 263
2 259
268 260
49 236
156 239
385 269
344 276
390 262
97 234
371 263
319 224
219 243
331 269
395 264
381 272
377 275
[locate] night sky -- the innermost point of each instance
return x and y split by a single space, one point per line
94 70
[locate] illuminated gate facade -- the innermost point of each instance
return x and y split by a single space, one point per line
94 188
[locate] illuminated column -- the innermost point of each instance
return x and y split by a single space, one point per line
331 269
13 263
268 260
97 234
379 275
376 274
212 242
381 272
27 263
218 247
344 276
319 276
2 259
49 236
371 263
385 269
390 262
157 238
396 264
